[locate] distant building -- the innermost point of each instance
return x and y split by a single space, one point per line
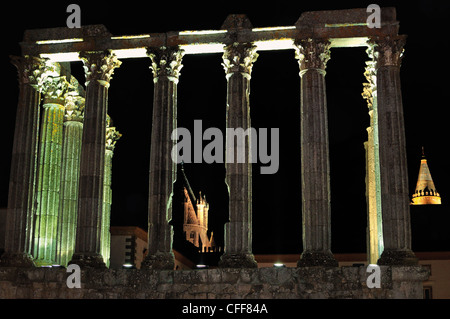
195 224
425 192
128 247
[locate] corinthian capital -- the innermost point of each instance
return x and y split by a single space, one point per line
239 57
99 66
55 89
31 70
74 108
312 53
370 87
112 136
166 61
388 50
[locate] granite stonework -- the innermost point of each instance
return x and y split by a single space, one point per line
221 283
312 37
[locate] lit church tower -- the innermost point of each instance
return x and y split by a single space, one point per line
425 192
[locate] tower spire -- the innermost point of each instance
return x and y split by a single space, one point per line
425 192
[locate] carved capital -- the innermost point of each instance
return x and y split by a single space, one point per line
31 70
166 62
239 57
55 89
370 87
388 50
112 136
74 108
99 66
312 53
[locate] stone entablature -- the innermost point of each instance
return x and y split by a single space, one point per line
344 28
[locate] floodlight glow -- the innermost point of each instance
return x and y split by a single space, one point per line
130 53
203 32
202 48
274 45
59 41
127 265
61 57
279 265
130 37
339 25
201 266
273 29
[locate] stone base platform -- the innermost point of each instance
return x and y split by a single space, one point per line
221 283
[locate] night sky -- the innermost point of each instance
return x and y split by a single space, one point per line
275 102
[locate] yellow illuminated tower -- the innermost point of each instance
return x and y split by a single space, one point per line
425 192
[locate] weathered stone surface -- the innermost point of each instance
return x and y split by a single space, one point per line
261 283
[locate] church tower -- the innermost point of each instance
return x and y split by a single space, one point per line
425 192
195 225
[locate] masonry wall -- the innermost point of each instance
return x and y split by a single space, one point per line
260 283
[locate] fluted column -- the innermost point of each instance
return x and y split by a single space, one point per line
166 66
238 60
373 194
312 55
99 67
112 135
387 54
19 217
49 169
72 136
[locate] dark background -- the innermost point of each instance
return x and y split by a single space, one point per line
275 102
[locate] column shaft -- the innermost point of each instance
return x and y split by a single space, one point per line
166 65
112 135
392 149
99 67
72 136
48 187
315 166
238 62
373 194
23 164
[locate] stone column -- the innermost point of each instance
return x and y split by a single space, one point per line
387 54
99 67
238 60
19 218
166 66
373 194
312 55
49 169
72 136
112 135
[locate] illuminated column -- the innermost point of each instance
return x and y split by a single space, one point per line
71 151
112 135
313 55
99 67
166 66
373 194
49 170
238 60
19 218
387 54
